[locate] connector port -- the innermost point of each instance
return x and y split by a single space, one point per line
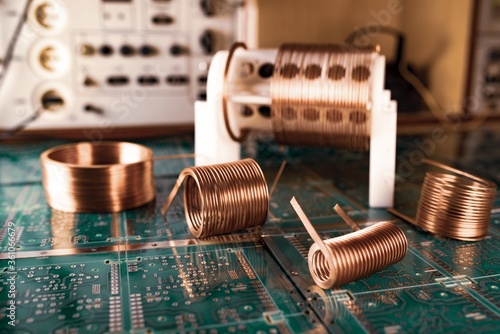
148 50
202 79
208 7
52 101
106 50
202 96
118 80
162 20
177 80
127 50
148 80
207 42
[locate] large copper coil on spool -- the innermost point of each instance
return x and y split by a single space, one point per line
455 206
98 177
357 254
223 198
321 95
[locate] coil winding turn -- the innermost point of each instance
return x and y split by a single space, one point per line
338 261
456 206
321 95
222 198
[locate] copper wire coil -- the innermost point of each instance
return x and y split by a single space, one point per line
223 198
98 177
455 206
357 254
338 261
321 95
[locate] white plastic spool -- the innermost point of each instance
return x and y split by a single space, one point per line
213 143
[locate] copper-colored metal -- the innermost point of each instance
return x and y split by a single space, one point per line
244 132
321 95
346 218
98 177
222 198
277 178
338 261
455 206
174 156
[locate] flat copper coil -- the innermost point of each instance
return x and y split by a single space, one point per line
98 177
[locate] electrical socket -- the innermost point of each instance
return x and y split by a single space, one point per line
47 17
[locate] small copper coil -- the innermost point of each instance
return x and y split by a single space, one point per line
338 261
455 206
321 95
98 177
222 198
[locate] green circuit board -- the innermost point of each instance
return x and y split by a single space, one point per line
137 271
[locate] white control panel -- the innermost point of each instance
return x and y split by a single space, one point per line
106 64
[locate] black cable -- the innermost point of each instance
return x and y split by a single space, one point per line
12 132
402 66
5 62
351 39
366 31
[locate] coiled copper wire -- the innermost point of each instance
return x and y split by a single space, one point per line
358 254
223 198
98 177
455 206
321 95
338 261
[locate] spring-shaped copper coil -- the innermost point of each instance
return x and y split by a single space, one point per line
321 95
455 206
98 177
223 198
358 254
349 257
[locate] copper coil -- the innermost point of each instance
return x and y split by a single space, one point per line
338 261
321 95
455 206
357 254
223 198
98 177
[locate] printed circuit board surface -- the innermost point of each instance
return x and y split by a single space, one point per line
137 271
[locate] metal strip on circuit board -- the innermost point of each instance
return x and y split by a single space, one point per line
137 313
236 238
